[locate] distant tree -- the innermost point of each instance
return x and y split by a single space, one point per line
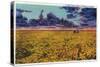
52 19
67 23
21 21
33 22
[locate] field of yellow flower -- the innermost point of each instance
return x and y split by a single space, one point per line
35 46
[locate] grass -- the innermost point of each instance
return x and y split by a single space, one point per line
35 46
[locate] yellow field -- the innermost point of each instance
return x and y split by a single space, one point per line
53 46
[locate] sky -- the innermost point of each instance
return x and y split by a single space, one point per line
74 14
36 9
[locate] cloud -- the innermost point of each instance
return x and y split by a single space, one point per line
80 15
89 13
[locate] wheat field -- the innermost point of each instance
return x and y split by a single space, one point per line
36 46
